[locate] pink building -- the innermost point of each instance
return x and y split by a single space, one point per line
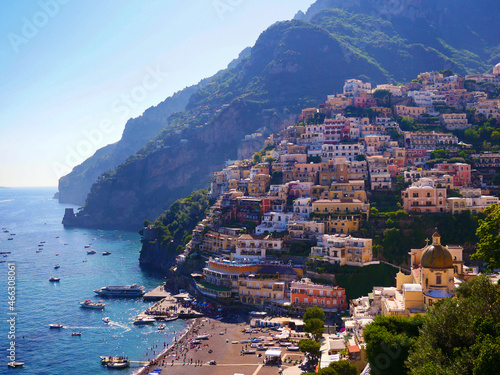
461 172
416 157
325 296
425 196
364 100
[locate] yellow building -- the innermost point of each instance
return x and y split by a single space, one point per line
258 289
353 189
259 185
342 206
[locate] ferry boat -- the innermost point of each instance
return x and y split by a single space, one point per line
121 291
91 252
106 252
54 279
92 305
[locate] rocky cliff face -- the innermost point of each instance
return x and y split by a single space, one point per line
74 187
153 256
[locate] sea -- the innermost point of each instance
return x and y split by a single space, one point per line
29 302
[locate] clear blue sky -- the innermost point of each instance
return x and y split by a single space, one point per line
73 71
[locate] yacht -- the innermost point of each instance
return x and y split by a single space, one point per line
91 252
86 246
133 290
53 278
56 326
57 266
92 305
106 252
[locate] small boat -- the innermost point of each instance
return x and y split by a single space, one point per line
10 239
106 320
57 266
248 351
38 251
76 334
40 245
5 255
53 278
56 326
15 364
202 337
42 241
285 344
171 318
143 321
261 348
118 364
293 348
12 234
6 231
106 252
57 237
86 246
3 261
91 252
92 305
161 327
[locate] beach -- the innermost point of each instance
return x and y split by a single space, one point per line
184 358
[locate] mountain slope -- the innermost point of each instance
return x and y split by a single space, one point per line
293 65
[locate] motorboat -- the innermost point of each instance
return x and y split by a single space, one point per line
54 279
293 348
106 252
56 326
57 266
86 246
144 321
106 320
118 364
202 337
92 305
171 318
161 327
133 290
76 334
15 364
91 252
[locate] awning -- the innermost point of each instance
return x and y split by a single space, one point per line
273 353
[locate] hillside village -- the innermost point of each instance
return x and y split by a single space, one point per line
310 187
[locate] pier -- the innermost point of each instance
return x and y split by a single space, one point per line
167 306
156 294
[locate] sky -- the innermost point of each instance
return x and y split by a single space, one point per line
72 72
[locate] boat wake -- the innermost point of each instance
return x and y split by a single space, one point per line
6 200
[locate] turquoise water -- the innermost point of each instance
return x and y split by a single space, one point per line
33 216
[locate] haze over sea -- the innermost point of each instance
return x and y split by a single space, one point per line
33 216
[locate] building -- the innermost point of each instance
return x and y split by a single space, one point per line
454 121
471 200
304 293
343 250
415 112
425 196
274 222
348 151
253 247
260 289
429 140
380 177
342 206
353 87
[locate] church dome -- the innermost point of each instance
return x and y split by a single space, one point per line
436 255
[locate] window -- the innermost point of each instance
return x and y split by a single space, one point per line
438 279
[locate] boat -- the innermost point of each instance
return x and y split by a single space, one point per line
293 348
248 351
106 252
40 245
6 231
3 261
118 364
202 337
56 326
161 327
57 237
15 364
57 266
106 320
76 334
285 344
171 318
38 251
91 252
92 305
12 234
53 278
42 242
133 290
10 239
86 246
144 321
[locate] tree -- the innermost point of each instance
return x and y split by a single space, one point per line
315 326
147 223
460 335
314 312
340 368
388 342
311 349
488 248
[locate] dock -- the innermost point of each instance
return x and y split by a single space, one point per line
156 294
166 306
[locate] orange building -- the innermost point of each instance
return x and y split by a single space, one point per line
305 293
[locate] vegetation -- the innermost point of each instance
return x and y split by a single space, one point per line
314 322
488 232
176 224
460 335
343 367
